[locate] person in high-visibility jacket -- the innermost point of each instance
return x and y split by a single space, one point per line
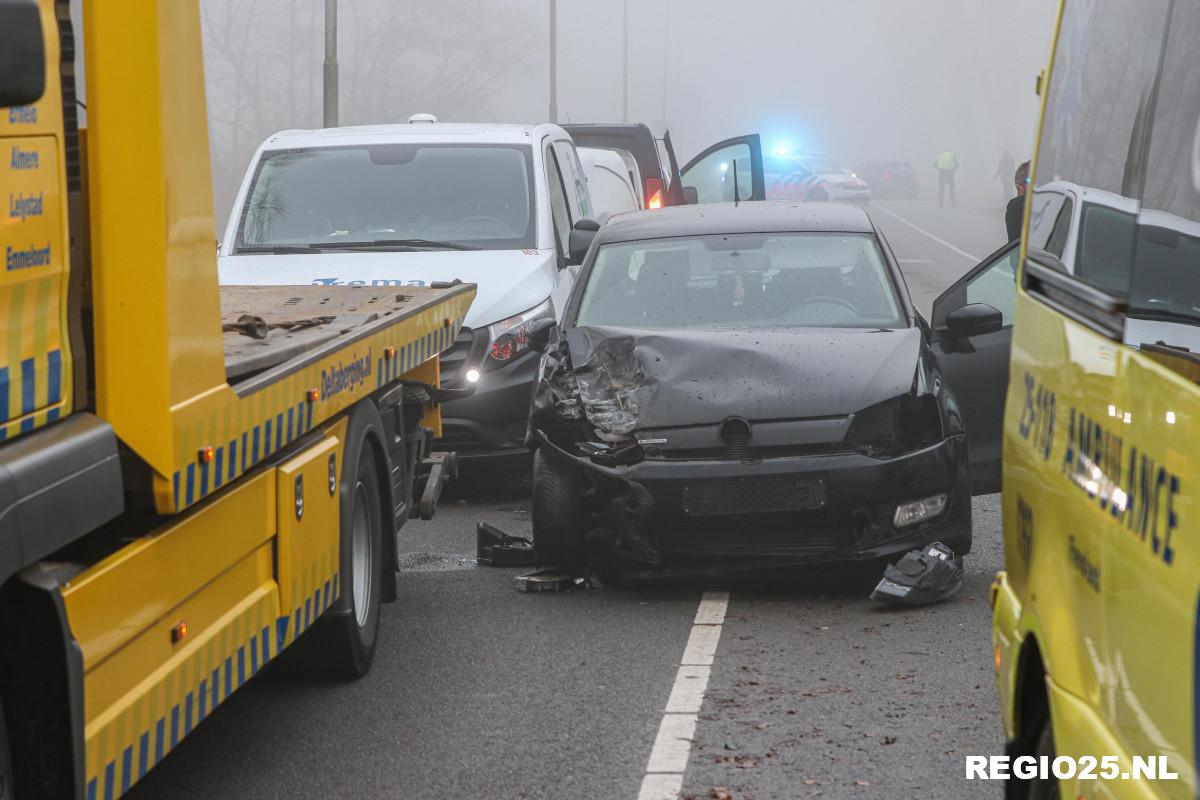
946 165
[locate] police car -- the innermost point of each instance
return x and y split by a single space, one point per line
811 178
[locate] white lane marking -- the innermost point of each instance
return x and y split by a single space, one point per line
688 692
921 230
702 644
673 744
661 787
712 608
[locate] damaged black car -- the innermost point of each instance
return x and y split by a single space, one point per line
745 385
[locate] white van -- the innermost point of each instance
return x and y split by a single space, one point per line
408 205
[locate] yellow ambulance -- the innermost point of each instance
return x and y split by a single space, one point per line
1095 627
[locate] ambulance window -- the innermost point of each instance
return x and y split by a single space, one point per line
1165 292
1096 129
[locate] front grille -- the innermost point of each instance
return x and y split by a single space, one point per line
454 358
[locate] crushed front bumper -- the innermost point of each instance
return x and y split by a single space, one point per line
842 508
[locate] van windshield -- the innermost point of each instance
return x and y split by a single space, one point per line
462 196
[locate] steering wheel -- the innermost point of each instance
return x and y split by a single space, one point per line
837 301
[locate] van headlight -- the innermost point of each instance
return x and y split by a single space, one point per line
509 338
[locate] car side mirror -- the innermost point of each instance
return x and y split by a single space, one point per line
691 195
580 240
22 54
539 334
973 319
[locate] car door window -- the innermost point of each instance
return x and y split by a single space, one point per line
996 285
713 176
558 201
574 180
992 282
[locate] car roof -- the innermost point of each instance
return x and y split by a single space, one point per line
420 132
746 217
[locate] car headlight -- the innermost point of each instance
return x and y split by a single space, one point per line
509 338
897 426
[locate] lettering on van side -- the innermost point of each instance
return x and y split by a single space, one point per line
23 159
341 377
1037 418
1081 562
33 256
23 115
22 206
1136 490
373 282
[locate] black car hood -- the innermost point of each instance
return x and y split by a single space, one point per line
637 379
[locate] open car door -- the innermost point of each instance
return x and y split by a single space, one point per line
972 336
728 170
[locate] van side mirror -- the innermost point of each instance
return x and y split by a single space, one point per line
580 240
22 53
539 334
691 195
973 319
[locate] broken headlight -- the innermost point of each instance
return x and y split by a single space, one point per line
509 338
897 426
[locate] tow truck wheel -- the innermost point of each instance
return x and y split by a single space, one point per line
6 773
557 515
347 641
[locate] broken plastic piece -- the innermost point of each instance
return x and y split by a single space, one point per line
550 579
921 577
495 548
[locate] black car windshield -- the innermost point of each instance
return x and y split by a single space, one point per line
471 196
739 281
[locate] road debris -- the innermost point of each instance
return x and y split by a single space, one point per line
495 548
551 579
921 577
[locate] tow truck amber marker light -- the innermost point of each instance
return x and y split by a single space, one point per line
207 454
313 395
997 658
179 632
390 353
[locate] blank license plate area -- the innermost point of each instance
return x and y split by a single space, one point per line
750 496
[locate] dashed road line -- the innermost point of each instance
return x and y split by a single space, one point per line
673 744
924 232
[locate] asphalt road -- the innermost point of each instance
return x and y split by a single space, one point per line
479 691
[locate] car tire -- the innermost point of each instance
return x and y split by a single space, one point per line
345 642
557 515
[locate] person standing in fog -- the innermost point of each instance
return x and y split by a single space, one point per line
1014 215
946 165
1003 170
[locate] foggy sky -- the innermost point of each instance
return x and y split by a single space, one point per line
854 79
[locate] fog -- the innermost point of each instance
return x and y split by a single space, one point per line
853 79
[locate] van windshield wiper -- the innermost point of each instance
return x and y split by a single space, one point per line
409 244
274 249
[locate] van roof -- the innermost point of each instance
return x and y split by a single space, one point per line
420 132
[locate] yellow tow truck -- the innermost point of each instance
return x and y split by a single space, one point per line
191 476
